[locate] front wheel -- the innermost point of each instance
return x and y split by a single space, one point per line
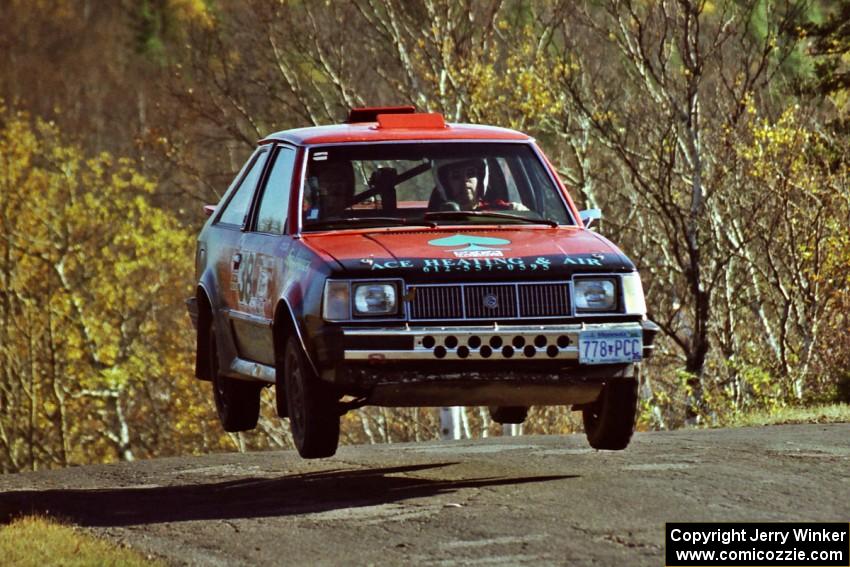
236 401
610 421
312 407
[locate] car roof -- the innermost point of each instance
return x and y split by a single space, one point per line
395 127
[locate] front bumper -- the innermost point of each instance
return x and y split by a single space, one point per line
461 344
436 366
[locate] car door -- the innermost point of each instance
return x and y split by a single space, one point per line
224 237
264 247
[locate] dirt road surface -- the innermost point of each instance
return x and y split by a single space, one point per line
499 501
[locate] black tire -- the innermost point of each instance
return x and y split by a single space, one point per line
312 406
237 401
609 422
281 406
508 414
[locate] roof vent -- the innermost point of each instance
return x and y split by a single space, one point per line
418 120
370 113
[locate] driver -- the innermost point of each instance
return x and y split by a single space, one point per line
465 183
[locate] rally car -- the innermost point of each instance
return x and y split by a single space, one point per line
399 260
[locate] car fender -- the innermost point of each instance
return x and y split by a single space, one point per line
286 322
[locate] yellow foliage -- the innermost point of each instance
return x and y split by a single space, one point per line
510 84
195 11
97 276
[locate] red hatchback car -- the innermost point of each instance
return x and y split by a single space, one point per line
398 260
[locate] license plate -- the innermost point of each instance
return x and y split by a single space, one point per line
605 347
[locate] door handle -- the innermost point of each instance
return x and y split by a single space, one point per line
237 259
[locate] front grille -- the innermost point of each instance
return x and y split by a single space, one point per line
544 300
490 301
437 302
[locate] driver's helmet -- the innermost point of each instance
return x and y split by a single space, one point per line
444 168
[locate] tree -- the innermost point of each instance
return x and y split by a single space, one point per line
96 350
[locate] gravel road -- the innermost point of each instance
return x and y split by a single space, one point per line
499 501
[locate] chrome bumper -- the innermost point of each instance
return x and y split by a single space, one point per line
478 343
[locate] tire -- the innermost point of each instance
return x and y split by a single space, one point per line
236 401
508 414
609 422
312 407
281 406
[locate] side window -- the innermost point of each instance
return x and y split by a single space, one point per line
274 205
237 207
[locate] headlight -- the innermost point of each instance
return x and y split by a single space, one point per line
345 300
375 299
633 298
595 294
337 301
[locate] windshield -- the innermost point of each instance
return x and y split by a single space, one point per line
352 186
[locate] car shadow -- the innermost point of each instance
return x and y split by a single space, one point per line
255 497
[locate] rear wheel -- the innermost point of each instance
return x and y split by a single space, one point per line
508 414
237 401
313 408
610 421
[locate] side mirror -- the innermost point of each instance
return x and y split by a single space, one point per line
588 216
209 210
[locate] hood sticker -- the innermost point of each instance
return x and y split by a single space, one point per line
475 246
484 265
445 265
595 260
481 254
391 264
465 264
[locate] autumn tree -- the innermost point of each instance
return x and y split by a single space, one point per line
95 349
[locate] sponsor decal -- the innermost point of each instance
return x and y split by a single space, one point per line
474 246
390 264
297 266
593 260
477 253
294 268
445 265
480 254
484 265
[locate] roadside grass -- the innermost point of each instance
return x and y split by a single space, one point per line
34 541
833 413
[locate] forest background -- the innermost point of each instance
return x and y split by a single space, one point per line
713 134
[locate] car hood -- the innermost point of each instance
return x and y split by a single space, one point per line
470 253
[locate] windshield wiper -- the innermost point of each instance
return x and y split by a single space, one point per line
343 222
448 215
